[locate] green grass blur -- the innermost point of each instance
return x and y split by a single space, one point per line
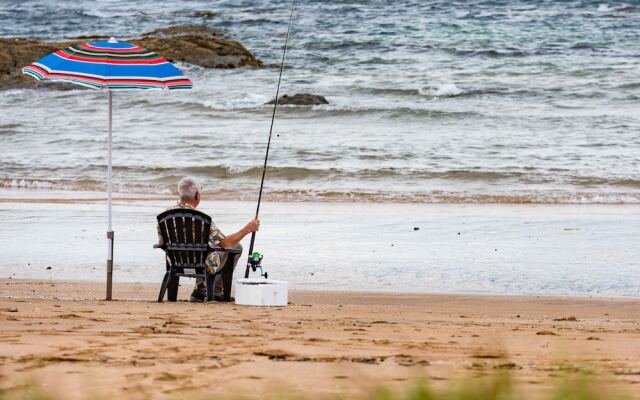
497 386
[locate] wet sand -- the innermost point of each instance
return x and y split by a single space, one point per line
492 249
63 335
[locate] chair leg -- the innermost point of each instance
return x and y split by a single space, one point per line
209 281
172 287
163 287
227 277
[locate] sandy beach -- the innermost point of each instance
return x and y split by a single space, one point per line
63 335
450 191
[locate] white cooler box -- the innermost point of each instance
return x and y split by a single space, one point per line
262 292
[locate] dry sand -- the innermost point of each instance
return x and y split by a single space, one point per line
62 335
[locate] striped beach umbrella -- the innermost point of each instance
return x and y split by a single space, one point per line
109 65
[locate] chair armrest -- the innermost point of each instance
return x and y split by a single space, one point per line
158 246
222 249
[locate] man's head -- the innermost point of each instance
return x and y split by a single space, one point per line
189 191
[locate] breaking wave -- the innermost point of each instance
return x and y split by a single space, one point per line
311 184
130 190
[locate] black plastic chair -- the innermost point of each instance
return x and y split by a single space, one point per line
185 237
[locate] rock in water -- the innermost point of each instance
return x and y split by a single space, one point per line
198 45
184 30
204 14
301 99
192 44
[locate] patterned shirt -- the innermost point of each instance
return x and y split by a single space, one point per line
215 236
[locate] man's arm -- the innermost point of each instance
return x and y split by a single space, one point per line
233 239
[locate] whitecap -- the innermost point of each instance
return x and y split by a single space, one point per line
443 90
28 184
615 8
604 7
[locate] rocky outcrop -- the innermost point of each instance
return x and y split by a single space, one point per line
198 45
192 44
17 53
301 99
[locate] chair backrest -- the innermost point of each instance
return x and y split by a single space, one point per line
185 235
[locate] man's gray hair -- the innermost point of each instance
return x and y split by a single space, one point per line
188 187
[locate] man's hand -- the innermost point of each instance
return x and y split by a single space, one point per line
252 226
232 240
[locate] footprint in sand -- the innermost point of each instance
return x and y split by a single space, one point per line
69 316
317 340
168 377
407 360
137 375
150 329
76 316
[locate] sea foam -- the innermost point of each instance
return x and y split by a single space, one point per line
443 90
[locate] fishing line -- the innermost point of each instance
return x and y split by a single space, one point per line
253 261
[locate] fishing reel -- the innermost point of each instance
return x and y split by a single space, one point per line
255 262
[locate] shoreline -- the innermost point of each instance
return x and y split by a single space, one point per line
354 294
70 196
321 344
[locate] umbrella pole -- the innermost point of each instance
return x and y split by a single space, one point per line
109 226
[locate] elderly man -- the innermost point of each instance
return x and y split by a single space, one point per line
189 190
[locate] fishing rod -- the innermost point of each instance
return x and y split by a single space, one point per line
255 260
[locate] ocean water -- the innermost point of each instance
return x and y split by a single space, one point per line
430 101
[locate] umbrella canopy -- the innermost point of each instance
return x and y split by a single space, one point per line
110 65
